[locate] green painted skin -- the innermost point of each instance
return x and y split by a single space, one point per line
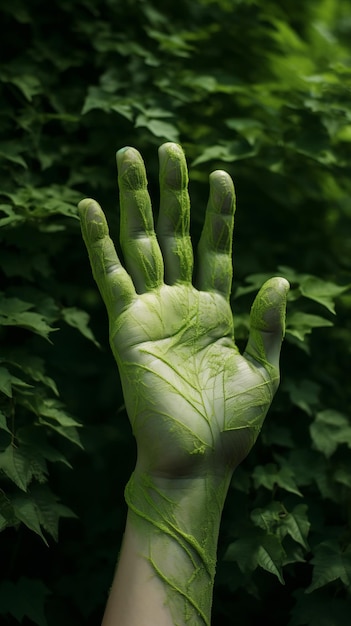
196 405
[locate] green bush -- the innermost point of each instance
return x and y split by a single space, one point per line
262 89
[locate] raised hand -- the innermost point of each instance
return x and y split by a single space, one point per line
196 404
191 397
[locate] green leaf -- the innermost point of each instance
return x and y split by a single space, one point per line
25 598
251 129
44 202
213 153
71 433
14 312
15 464
38 465
344 133
301 324
12 218
9 151
50 510
79 319
330 564
330 429
255 282
206 82
173 43
27 512
297 525
28 84
227 152
304 394
314 288
54 410
159 128
51 413
277 520
36 439
270 476
255 550
269 517
34 367
5 382
243 552
293 554
20 384
342 474
306 465
6 510
321 291
99 98
270 556
3 423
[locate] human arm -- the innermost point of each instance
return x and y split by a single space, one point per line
196 405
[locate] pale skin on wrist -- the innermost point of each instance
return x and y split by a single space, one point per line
138 595
196 405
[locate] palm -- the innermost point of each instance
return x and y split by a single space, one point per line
190 395
192 398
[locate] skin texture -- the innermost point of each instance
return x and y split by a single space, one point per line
196 405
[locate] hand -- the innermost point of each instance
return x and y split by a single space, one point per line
193 400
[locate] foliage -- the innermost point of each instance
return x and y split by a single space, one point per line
262 89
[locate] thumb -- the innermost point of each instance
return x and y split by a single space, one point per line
267 323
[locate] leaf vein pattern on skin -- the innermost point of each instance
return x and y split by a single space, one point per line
177 372
184 426
265 383
204 412
164 529
195 387
168 527
141 491
182 593
171 417
181 538
168 382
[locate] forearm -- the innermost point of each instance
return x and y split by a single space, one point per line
167 565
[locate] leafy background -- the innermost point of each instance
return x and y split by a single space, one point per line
262 89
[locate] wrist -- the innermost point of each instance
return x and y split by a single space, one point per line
176 522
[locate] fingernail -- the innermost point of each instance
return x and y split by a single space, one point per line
125 158
83 205
123 150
